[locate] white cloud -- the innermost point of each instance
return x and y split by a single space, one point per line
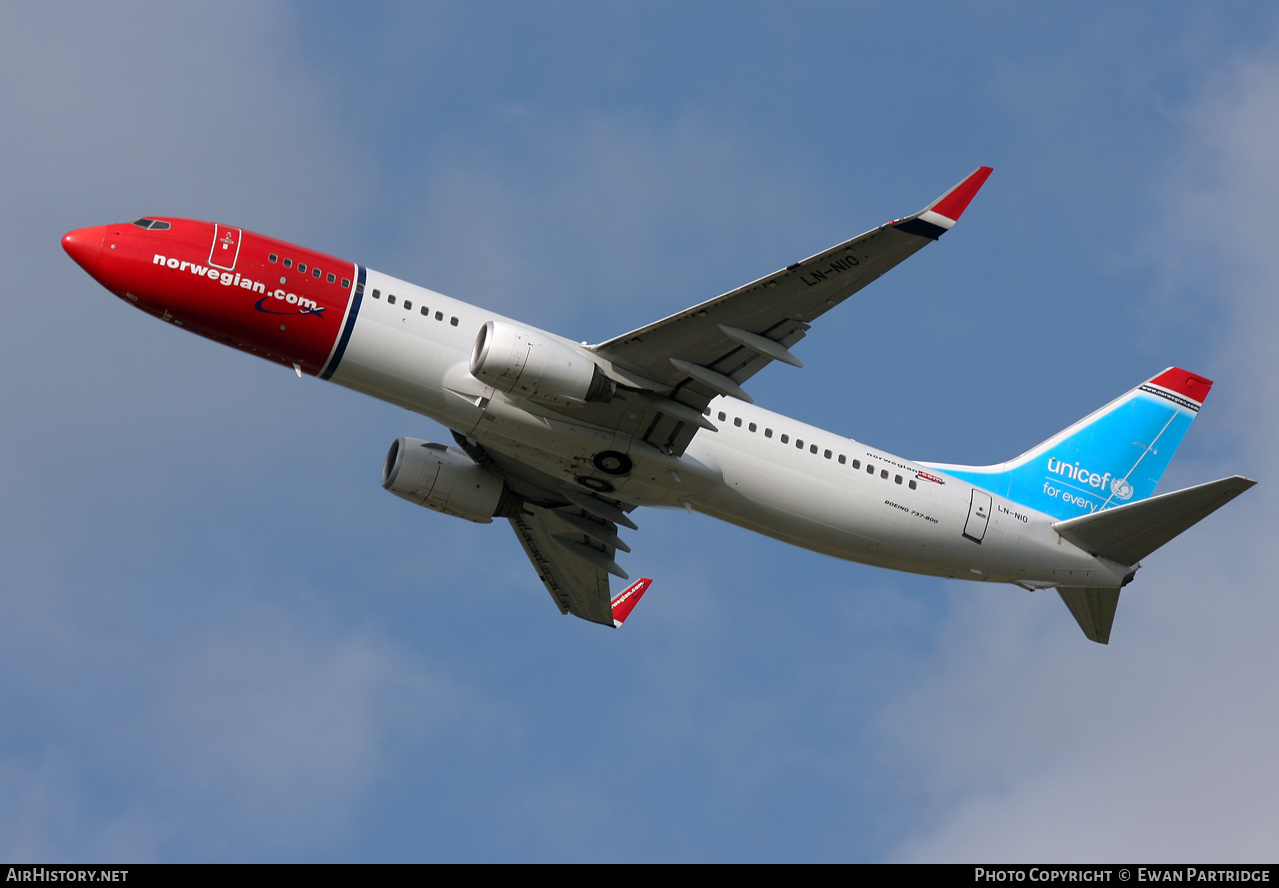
157 707
177 696
1161 746
603 219
277 728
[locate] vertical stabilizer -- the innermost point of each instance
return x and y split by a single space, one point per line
1113 456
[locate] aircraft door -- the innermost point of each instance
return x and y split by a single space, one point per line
226 247
978 516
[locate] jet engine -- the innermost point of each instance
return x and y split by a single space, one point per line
447 480
529 364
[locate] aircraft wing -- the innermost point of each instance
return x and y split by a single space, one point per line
573 557
711 348
671 370
571 536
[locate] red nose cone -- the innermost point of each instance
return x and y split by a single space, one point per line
84 245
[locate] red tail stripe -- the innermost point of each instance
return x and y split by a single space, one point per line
1183 382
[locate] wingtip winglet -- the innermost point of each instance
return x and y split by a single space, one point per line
939 216
626 600
952 204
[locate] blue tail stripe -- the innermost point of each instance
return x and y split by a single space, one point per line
1116 455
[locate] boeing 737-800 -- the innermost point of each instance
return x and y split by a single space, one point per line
565 440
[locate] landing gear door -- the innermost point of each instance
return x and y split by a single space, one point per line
978 516
226 247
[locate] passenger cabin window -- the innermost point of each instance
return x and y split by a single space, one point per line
272 258
768 433
752 427
785 439
315 272
453 322
870 470
912 485
439 315
302 267
857 464
426 312
883 473
812 448
799 444
288 263
826 454
390 298
346 283
722 416
331 278
737 421
377 294
842 460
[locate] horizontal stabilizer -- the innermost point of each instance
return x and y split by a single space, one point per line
1130 532
1093 609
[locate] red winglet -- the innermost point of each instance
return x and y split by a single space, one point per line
953 203
626 600
1183 382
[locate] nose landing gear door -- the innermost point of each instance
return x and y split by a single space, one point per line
978 516
226 247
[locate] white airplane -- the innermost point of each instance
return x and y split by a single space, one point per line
565 440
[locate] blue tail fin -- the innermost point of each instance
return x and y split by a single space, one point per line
1113 456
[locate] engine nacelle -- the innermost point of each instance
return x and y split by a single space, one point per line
447 480
528 364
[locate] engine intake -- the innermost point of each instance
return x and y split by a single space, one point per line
529 364
447 480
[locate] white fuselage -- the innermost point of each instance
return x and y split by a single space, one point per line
760 470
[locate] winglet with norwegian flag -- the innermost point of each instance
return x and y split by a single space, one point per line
626 600
938 217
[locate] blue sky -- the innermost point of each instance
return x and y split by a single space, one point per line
222 640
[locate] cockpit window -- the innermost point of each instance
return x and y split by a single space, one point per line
151 224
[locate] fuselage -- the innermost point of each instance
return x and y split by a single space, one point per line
410 346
